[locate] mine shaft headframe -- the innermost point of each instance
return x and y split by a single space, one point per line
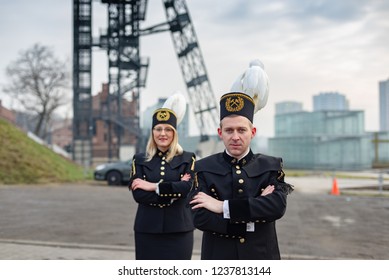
192 66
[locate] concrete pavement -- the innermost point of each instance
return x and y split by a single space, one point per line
11 249
20 248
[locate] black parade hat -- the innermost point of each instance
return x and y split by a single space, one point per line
172 111
237 103
248 93
164 116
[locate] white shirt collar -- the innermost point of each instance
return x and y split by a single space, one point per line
245 154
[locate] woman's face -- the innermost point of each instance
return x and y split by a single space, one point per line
163 136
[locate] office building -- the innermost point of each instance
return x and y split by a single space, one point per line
322 140
288 107
330 101
384 105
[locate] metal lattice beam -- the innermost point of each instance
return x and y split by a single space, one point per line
192 66
82 80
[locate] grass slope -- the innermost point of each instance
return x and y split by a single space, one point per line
23 161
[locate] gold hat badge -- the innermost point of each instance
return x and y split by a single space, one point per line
163 115
234 104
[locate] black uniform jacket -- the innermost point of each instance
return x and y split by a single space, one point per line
241 183
165 212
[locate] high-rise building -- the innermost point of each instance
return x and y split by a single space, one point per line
384 105
325 140
288 107
330 101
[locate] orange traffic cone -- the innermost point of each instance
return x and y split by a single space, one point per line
335 189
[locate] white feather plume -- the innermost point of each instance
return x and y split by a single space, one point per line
255 83
177 103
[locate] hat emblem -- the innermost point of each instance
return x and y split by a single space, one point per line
163 116
234 104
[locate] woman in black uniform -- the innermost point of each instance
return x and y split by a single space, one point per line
161 178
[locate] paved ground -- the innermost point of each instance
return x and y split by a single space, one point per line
94 221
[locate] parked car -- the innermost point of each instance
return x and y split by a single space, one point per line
115 173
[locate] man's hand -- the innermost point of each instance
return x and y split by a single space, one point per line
143 185
202 200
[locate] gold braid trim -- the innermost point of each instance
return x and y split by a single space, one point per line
193 164
281 176
133 168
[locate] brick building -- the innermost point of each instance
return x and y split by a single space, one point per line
105 125
7 114
62 134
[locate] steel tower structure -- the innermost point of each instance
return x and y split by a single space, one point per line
192 67
128 71
82 81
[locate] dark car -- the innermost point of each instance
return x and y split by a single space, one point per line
115 173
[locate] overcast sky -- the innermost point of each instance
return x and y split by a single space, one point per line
307 47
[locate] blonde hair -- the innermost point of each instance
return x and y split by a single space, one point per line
175 148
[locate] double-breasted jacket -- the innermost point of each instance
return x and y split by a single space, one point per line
250 232
166 211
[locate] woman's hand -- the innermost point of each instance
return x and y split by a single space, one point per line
186 177
268 190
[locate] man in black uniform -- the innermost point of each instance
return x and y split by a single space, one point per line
239 195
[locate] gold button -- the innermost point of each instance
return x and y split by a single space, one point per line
163 158
238 171
241 181
163 163
162 173
162 167
242 240
212 190
240 191
237 167
160 154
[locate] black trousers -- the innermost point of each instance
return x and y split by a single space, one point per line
163 246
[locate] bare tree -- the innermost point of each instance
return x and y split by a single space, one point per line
40 83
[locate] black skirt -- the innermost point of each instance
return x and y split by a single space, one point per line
163 246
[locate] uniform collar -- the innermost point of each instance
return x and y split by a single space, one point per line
243 161
162 154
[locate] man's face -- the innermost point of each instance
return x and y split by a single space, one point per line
236 133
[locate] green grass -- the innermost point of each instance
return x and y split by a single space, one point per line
23 161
